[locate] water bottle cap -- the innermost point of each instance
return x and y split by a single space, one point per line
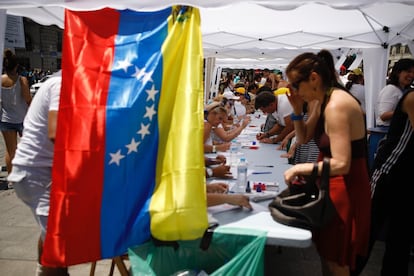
242 159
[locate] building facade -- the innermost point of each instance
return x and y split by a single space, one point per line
43 51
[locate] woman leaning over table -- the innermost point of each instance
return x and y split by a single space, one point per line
215 114
339 130
213 117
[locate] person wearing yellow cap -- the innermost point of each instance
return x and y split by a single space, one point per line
245 100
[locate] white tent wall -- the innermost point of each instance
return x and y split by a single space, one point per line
375 73
209 65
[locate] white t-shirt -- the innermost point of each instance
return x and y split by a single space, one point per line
238 109
358 90
283 109
35 148
387 101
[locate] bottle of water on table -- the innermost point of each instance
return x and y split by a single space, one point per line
234 148
241 176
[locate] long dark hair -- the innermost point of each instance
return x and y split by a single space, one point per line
321 63
9 60
404 64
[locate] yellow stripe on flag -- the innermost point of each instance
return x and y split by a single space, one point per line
178 206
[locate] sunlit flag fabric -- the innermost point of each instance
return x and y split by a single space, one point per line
128 158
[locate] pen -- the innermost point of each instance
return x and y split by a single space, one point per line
266 166
261 172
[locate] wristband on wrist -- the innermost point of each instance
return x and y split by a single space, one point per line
214 149
295 117
209 172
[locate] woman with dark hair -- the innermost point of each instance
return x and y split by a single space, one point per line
15 99
399 80
338 129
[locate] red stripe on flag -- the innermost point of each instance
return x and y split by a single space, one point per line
73 234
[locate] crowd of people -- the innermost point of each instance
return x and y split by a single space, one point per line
320 116
325 116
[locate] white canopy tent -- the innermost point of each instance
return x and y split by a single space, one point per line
259 33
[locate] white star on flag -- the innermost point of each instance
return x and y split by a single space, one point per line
133 146
147 77
151 93
150 112
123 64
116 157
144 130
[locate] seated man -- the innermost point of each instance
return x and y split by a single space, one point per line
280 108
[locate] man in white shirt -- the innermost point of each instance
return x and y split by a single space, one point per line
281 109
32 165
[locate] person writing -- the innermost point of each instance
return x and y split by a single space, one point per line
278 106
215 114
339 131
217 194
216 167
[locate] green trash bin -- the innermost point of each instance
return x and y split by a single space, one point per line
231 251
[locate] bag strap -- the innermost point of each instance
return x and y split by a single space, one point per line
324 184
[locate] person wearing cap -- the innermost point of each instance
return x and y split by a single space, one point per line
214 115
239 110
245 99
214 132
355 85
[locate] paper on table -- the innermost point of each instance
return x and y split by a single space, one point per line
228 207
222 208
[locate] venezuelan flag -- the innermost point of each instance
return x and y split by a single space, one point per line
128 158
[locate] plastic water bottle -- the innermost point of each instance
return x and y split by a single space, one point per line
234 148
241 175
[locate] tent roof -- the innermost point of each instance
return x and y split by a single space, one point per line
271 32
263 30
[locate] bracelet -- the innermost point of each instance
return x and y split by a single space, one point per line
209 172
214 149
296 117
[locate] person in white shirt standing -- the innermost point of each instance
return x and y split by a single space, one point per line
281 109
31 174
400 79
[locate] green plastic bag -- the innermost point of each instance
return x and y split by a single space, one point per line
232 251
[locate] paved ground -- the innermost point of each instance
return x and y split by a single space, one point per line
19 234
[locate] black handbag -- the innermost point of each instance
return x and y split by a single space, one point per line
305 204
